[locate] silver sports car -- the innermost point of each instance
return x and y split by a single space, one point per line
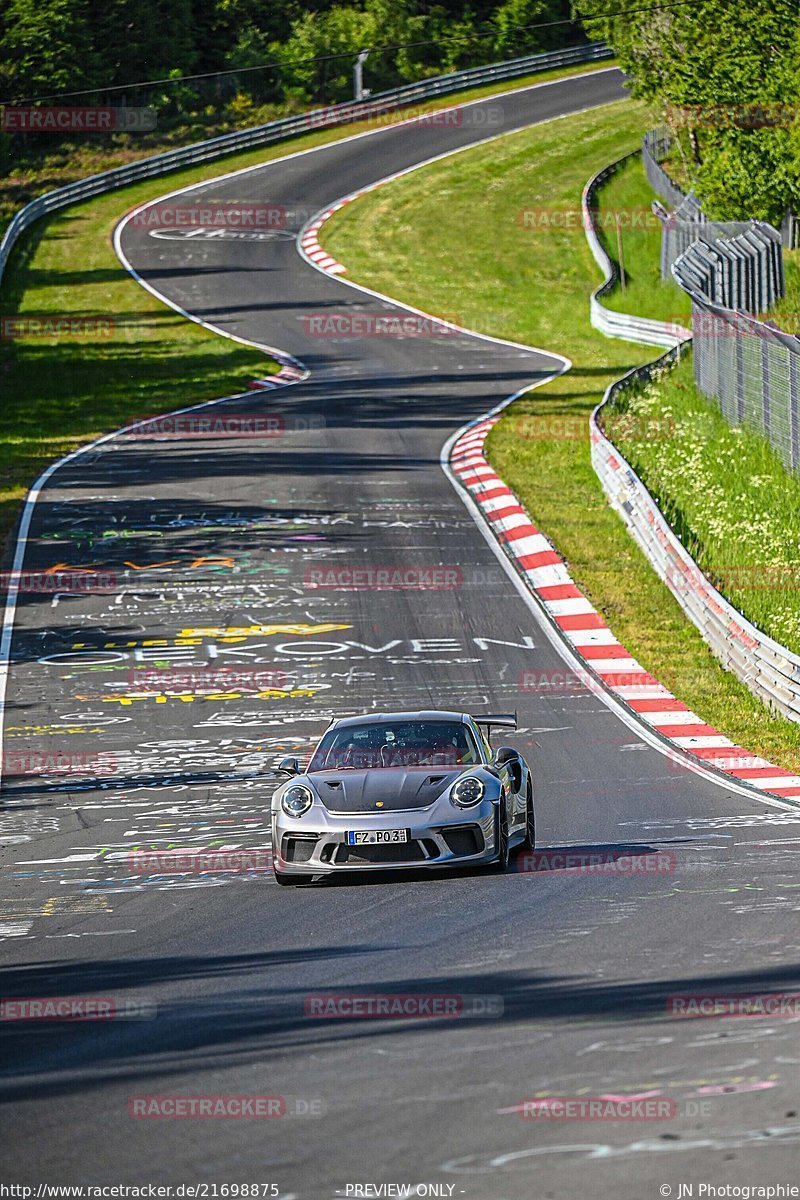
389 791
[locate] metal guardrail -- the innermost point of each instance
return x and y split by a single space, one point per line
273 131
612 323
757 281
771 671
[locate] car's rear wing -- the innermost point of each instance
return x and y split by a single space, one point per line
496 720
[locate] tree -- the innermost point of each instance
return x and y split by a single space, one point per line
720 73
46 46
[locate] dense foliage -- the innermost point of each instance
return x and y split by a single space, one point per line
55 46
727 78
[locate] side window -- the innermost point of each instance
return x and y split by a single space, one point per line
483 751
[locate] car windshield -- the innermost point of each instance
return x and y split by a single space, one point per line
375 744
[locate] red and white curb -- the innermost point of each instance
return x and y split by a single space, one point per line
310 243
589 636
287 374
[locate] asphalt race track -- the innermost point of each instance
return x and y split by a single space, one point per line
214 543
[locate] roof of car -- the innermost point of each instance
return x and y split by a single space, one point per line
422 715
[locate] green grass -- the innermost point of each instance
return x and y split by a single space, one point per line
726 494
408 239
59 394
626 199
786 313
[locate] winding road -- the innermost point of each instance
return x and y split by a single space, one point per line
222 550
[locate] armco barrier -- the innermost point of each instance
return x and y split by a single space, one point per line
618 324
771 671
274 131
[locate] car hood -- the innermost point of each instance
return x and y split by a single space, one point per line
384 789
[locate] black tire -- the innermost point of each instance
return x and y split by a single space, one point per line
500 864
530 823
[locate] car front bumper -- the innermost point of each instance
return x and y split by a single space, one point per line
316 843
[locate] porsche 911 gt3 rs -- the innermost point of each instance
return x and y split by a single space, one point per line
388 791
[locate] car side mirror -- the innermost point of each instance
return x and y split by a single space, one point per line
289 766
507 756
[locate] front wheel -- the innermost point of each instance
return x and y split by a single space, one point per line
289 880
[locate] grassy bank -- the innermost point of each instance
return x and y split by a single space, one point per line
61 393
532 285
625 200
725 492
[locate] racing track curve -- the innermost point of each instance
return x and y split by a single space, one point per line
212 541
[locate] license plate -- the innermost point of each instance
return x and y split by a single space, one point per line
372 837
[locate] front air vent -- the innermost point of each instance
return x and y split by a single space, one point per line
299 848
464 839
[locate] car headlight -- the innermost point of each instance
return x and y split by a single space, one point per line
296 800
468 791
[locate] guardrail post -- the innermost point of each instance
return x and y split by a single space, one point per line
766 414
739 385
794 415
